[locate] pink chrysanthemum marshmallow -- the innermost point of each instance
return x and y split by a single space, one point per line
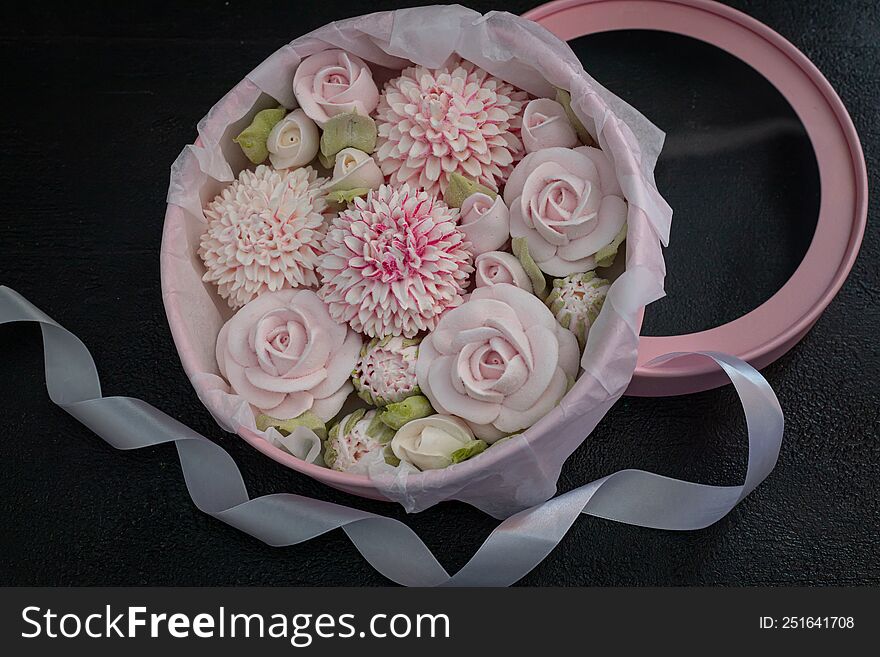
264 233
435 122
395 261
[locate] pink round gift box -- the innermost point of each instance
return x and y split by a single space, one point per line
843 193
491 461
766 333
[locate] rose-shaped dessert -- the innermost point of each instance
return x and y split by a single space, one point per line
568 206
284 354
334 82
355 169
435 442
485 222
546 125
293 141
500 361
497 267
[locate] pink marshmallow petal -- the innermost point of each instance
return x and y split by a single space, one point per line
612 216
477 335
486 432
259 397
503 348
559 267
514 335
273 360
264 381
327 407
515 376
467 380
360 96
427 355
569 351
240 326
340 364
607 175
514 186
485 223
529 309
331 82
497 267
472 410
317 350
510 420
310 305
546 125
467 316
562 196
545 348
539 248
589 214
294 405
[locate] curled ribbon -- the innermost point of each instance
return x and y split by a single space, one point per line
513 548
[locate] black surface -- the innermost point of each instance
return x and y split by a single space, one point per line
99 100
730 131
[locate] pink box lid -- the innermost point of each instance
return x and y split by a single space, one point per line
767 332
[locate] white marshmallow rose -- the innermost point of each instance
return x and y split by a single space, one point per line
355 169
293 141
284 354
568 205
435 442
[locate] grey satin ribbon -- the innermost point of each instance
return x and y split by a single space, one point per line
513 549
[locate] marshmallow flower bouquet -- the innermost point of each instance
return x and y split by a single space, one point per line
409 253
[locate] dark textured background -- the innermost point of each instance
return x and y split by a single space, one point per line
97 102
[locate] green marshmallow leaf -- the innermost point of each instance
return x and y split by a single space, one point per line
469 451
411 408
564 98
347 196
390 458
347 130
327 162
253 138
605 256
460 187
286 427
520 248
379 431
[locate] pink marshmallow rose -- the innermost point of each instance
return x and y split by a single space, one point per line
497 267
567 204
334 82
546 125
284 354
500 361
485 222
